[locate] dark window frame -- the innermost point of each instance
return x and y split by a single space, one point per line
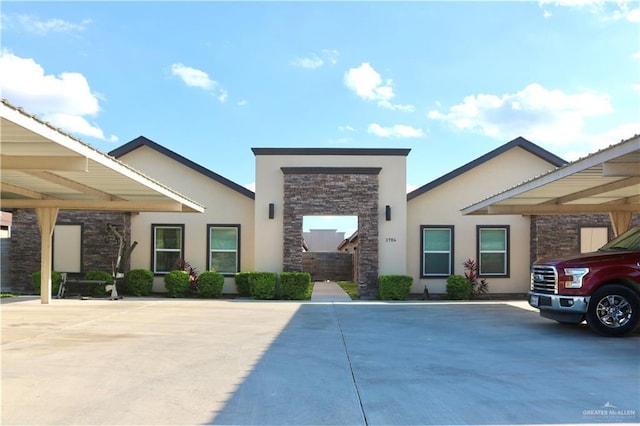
451 229
238 247
154 226
507 229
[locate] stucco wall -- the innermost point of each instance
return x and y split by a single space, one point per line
442 204
223 206
269 237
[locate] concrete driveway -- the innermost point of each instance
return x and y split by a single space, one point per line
174 362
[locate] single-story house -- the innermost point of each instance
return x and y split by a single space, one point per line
422 234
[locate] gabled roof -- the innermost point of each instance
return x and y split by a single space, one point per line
43 167
602 182
141 141
518 142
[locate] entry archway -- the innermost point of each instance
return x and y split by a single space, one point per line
333 191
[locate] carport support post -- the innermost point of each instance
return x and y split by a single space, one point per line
46 222
621 221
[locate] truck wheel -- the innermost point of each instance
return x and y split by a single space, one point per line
614 311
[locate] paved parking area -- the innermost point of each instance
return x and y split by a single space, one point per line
186 362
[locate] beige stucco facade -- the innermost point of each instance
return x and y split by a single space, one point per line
397 248
269 236
223 206
441 205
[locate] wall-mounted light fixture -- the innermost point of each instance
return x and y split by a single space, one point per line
272 210
387 212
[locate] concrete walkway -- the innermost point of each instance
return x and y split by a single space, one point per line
328 291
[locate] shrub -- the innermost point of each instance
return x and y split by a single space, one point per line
262 285
56 279
458 288
478 286
295 285
183 265
394 287
242 284
210 284
177 283
99 290
139 282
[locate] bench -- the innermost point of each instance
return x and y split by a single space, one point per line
67 284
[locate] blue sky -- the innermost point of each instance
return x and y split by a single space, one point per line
211 80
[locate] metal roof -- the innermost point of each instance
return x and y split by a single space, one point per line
42 166
607 181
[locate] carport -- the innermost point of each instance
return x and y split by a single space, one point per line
45 169
607 181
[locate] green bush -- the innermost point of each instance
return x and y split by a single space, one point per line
210 284
99 290
394 287
139 282
295 285
458 288
56 279
262 285
177 283
242 284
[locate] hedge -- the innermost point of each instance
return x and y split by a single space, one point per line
177 283
242 284
138 282
394 287
99 290
210 284
262 285
458 288
295 286
56 278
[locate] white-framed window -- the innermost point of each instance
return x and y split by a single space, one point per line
437 251
493 251
168 247
224 249
592 238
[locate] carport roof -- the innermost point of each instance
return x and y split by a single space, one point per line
607 181
43 167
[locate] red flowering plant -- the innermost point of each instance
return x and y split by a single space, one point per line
183 265
478 286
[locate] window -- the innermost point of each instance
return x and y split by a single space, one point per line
493 251
168 247
592 238
224 249
437 251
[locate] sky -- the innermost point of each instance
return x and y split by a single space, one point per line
211 79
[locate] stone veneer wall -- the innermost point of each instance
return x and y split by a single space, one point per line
352 194
99 247
559 235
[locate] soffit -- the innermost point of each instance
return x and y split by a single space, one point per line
604 182
43 167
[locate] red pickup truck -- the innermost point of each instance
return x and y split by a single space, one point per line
602 287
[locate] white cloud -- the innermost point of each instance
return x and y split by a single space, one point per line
316 61
346 128
411 187
367 83
35 25
250 186
636 55
396 131
311 63
535 112
193 77
636 87
65 100
618 9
